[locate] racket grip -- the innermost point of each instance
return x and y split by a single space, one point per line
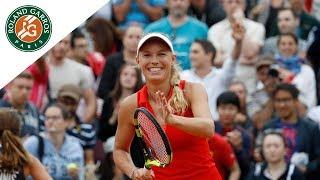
149 163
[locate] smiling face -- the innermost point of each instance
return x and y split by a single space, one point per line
287 45
156 60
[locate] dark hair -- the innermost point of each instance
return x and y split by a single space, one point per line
117 91
75 35
104 34
65 114
25 75
294 37
277 132
228 97
208 47
287 87
288 9
12 154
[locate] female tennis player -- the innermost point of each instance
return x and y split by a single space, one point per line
180 107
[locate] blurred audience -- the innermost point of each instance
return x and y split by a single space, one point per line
17 97
181 29
302 135
60 153
142 12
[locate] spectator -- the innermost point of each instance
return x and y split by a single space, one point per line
128 82
261 107
288 22
40 74
313 54
246 66
294 70
220 34
242 117
207 11
307 22
81 53
127 12
302 135
131 38
66 71
69 95
216 81
106 37
181 28
108 170
15 161
224 158
19 90
275 167
228 106
61 154
266 12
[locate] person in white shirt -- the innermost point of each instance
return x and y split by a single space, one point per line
220 34
294 69
215 81
63 70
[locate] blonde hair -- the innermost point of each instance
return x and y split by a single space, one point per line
177 102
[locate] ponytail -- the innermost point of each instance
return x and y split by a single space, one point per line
12 155
178 102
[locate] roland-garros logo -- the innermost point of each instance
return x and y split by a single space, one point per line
28 28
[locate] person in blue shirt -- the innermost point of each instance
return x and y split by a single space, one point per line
181 28
61 154
142 12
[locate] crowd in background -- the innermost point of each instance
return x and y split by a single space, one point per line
257 59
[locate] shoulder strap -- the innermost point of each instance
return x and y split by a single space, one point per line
40 147
290 171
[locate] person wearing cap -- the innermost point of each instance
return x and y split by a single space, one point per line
69 95
187 116
260 108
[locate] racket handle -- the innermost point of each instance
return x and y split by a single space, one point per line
149 163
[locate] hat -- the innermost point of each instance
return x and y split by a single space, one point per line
155 35
70 90
108 146
265 61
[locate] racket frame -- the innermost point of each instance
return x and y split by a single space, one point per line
149 159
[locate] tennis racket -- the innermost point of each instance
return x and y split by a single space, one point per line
153 140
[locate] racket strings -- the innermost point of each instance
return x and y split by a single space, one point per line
153 139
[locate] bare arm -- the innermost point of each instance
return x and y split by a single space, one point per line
91 105
262 116
202 124
154 13
234 172
121 10
37 170
124 136
89 156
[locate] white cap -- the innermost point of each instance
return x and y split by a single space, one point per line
155 35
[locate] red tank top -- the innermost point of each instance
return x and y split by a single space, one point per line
191 154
